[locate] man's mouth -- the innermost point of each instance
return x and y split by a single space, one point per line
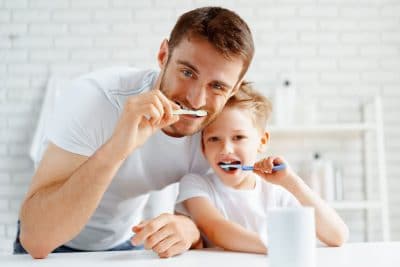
187 108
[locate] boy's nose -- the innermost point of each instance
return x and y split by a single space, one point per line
227 148
196 97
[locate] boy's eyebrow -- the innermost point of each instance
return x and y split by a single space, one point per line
192 67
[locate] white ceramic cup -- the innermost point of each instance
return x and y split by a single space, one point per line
291 237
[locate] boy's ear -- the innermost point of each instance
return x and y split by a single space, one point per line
163 53
263 142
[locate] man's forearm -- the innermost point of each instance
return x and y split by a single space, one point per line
56 213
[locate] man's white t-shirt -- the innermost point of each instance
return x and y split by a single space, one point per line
85 118
248 208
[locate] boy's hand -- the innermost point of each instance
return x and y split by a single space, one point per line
264 169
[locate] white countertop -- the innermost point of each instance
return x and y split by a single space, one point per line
352 255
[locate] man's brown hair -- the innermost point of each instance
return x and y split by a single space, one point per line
223 28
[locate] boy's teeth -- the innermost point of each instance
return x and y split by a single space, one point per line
230 162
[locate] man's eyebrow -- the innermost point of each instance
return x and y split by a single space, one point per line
188 64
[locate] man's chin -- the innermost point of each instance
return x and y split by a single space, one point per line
179 130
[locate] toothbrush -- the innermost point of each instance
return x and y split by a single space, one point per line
250 168
198 113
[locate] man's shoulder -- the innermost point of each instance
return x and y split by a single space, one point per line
120 78
117 83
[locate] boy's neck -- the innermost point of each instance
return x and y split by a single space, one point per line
249 183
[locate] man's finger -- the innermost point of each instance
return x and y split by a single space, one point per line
169 106
149 228
165 244
176 249
139 226
162 234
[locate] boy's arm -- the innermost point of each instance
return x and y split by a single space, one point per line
221 232
330 228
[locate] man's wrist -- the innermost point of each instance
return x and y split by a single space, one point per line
197 241
108 155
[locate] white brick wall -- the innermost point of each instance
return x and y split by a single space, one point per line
337 51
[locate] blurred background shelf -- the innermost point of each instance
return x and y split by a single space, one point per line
343 128
355 205
371 132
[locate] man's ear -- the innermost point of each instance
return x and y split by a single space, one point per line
163 53
263 142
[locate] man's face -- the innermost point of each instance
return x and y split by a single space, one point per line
197 76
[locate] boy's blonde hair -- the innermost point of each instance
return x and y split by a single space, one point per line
249 99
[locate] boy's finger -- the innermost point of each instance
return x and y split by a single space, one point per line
278 160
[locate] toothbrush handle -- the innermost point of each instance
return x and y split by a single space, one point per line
279 167
275 168
247 168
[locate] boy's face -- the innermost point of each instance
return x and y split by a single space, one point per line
232 138
196 77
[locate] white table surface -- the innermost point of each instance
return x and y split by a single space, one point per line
352 254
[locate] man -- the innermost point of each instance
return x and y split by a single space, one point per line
115 138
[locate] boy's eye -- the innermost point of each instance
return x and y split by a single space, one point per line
213 139
239 137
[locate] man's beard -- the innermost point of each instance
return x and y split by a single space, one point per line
172 129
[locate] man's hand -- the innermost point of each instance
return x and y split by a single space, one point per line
142 115
167 235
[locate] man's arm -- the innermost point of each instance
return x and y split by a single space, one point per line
65 191
222 232
67 188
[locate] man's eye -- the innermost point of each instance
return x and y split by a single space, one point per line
217 86
187 73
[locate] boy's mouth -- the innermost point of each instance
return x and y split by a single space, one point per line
229 169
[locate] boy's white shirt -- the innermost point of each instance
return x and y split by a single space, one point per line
249 208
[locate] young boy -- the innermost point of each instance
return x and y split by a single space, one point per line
230 206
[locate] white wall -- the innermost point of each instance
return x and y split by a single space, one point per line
337 52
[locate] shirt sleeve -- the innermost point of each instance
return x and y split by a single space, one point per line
83 119
190 186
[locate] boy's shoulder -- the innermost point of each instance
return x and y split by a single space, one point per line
277 194
194 179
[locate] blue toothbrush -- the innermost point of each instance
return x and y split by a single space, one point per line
250 168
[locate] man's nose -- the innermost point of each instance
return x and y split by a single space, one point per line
197 97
